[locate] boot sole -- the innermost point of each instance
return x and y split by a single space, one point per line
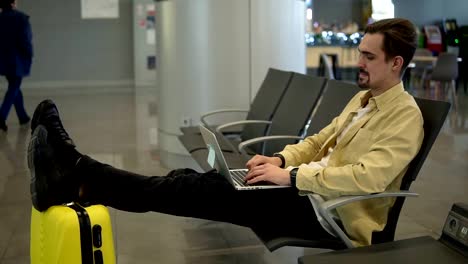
40 158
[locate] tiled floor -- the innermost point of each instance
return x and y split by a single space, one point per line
118 127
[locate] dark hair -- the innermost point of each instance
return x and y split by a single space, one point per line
399 38
6 3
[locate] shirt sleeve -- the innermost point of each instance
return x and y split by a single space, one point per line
304 152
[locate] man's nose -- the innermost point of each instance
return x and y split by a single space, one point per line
360 63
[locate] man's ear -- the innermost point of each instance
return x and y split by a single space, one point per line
397 63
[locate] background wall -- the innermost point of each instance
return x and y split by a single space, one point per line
284 49
70 51
144 25
423 12
337 11
419 11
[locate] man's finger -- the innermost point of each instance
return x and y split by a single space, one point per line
255 172
256 179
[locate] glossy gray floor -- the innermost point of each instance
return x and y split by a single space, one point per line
120 127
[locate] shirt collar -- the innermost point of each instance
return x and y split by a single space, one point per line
384 98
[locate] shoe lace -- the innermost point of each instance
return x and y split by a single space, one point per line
58 128
55 126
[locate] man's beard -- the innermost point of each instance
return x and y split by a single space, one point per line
363 83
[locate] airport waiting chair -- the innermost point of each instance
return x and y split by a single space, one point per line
291 117
422 69
334 98
446 72
448 248
434 114
327 66
263 106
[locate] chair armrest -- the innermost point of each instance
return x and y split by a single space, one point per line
340 201
220 128
323 209
220 111
252 141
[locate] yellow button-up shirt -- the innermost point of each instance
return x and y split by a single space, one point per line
371 157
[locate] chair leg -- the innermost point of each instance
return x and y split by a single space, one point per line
423 79
454 93
464 83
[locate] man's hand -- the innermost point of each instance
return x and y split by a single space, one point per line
268 172
259 159
262 168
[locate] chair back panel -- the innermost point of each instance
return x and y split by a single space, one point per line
266 102
434 114
446 68
326 67
335 97
295 109
269 94
422 65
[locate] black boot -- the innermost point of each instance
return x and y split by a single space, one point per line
52 183
47 114
52 158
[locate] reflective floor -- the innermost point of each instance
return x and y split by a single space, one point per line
120 127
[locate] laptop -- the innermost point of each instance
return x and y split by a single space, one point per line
217 161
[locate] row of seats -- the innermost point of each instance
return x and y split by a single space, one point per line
320 100
287 107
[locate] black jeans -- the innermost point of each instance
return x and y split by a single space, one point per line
185 192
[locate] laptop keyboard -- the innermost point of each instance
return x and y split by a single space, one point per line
239 176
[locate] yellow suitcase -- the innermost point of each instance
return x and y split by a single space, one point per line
72 234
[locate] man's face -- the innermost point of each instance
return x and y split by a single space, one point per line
374 71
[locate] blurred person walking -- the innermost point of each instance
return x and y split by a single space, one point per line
15 58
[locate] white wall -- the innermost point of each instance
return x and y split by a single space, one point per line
277 38
215 54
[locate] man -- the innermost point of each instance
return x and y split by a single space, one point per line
364 150
15 58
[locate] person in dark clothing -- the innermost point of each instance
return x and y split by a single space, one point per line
16 54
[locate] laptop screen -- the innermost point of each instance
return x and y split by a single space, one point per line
215 155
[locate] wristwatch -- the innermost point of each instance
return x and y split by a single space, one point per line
292 176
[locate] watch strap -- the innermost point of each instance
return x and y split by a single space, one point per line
283 161
292 175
